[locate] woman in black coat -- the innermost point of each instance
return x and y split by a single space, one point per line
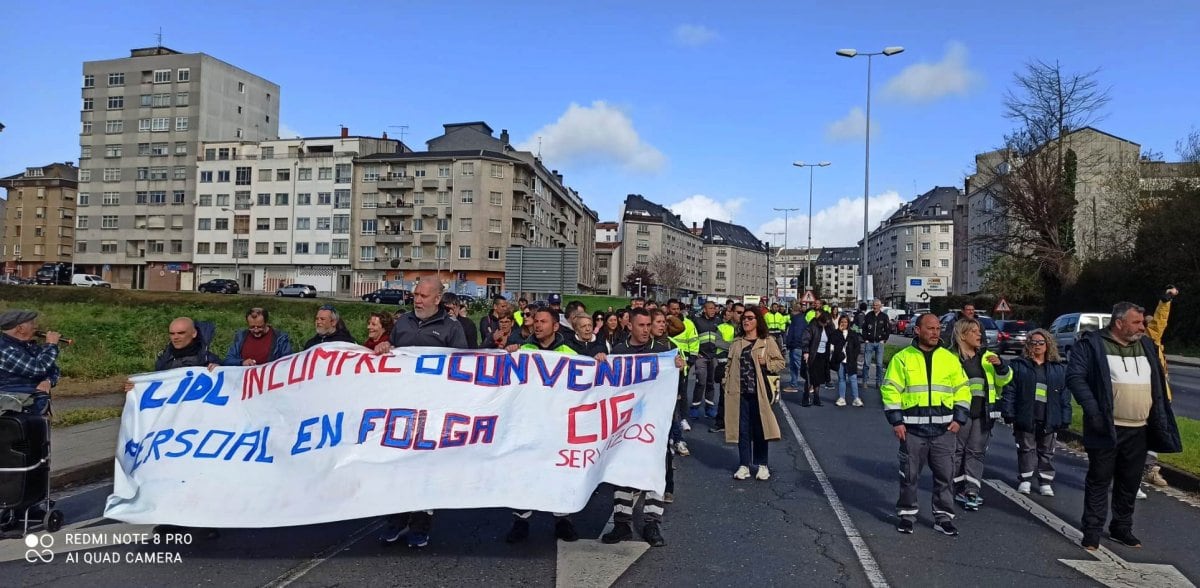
818 343
845 360
1037 404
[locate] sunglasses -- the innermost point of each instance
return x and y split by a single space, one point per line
1037 342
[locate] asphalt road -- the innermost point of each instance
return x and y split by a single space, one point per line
1185 390
719 531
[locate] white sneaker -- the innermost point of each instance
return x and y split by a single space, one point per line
1046 490
1141 495
1024 487
858 402
682 449
763 473
684 426
840 402
742 473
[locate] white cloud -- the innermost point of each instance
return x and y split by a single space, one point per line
851 127
839 225
696 208
926 82
597 134
691 35
286 132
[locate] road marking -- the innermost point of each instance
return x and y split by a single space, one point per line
869 565
1111 570
299 571
594 564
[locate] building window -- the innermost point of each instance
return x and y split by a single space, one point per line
908 263
493 253
205 177
241 176
441 251
342 174
415 252
464 225
366 253
84 198
262 224
81 222
908 247
261 247
156 100
945 228
283 175
926 229
495 198
281 224
443 171
221 248
112 174
205 200
464 252
494 225
341 224
156 149
468 168
182 99
281 199
89 81
181 123
443 225
926 263
304 199
222 199
443 197
108 247
241 87
370 200
181 149
302 223
264 199
926 246
114 126
418 225
108 221
203 224
908 230
183 74
81 247
202 248
943 246
116 79
323 223
179 172
223 176
497 170
86 128
467 196
341 198
162 76
85 152
87 103
160 124
322 248
368 226
304 174
418 198
116 102
370 173
221 224
325 173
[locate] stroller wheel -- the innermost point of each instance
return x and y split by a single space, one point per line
53 521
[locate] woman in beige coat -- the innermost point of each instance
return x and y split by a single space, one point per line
749 419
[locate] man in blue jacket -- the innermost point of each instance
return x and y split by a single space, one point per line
1115 376
793 338
258 343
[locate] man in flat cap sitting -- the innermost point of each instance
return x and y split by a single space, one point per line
27 370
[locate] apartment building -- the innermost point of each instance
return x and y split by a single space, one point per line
916 241
734 261
38 217
276 212
790 271
608 268
459 209
142 120
837 270
649 230
608 232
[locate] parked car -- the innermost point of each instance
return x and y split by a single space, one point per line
11 280
89 281
219 286
904 324
389 296
297 290
1013 335
1068 327
991 331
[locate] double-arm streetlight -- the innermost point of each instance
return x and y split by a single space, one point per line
887 52
808 253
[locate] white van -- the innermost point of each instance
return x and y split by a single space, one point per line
89 280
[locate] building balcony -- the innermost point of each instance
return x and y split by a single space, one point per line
519 238
429 184
396 183
402 237
429 211
521 185
394 209
520 212
429 238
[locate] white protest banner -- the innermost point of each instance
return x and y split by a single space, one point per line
336 433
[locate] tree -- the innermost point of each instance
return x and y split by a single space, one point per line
1034 191
669 273
1014 278
639 272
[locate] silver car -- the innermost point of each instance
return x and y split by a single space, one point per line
297 290
1068 327
991 331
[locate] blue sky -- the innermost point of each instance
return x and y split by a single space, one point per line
700 105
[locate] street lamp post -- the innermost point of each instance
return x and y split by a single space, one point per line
785 212
887 52
775 235
237 274
808 253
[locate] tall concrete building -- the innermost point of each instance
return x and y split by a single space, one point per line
608 268
916 241
791 271
837 270
648 231
460 208
142 120
277 212
608 232
38 217
735 261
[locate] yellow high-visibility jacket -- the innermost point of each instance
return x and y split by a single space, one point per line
996 381
925 398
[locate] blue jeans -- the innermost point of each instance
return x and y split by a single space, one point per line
873 350
842 383
796 365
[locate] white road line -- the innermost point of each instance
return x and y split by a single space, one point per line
299 571
870 566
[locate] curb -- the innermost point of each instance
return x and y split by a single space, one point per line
81 474
1183 361
1176 477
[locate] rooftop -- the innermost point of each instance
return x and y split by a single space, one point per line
716 232
840 256
472 153
638 208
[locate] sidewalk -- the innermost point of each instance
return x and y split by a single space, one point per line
82 453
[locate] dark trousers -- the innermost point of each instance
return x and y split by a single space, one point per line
752 444
417 522
720 394
1120 469
670 488
914 453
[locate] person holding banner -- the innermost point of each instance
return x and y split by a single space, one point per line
491 322
329 327
545 323
624 499
427 325
258 343
379 328
584 340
